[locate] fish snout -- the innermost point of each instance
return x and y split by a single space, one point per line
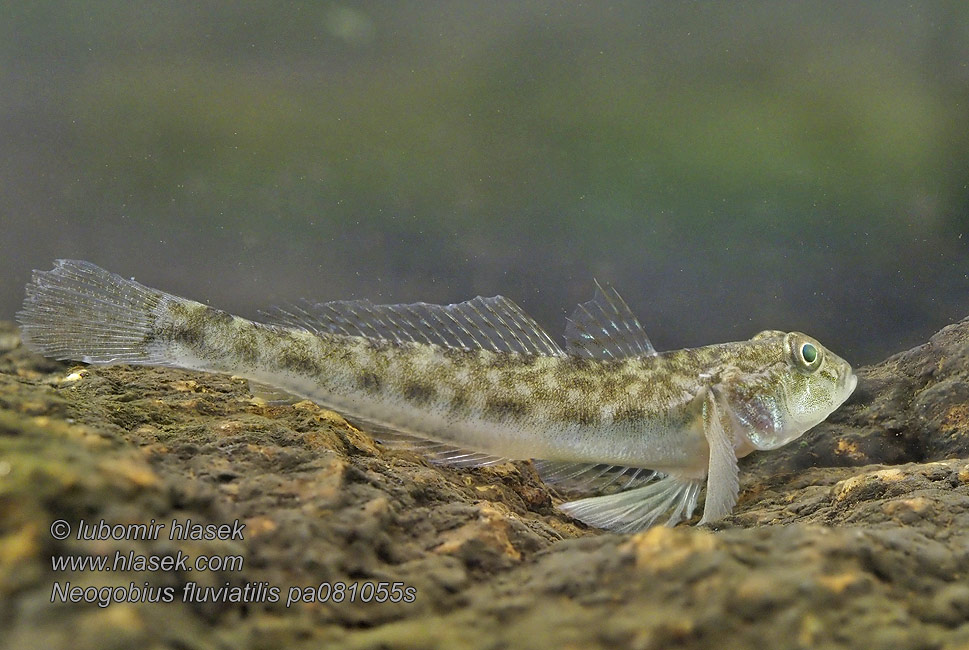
847 382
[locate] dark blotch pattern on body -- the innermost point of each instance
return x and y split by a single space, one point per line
294 354
469 383
578 413
630 414
499 408
246 346
369 381
191 323
418 392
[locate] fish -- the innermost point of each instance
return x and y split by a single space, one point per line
480 382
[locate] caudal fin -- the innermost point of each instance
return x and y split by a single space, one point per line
81 312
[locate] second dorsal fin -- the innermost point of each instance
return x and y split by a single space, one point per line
496 324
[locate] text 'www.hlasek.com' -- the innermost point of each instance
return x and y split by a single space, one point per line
180 566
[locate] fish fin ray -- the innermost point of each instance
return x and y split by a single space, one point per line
639 508
436 451
496 324
591 476
605 328
82 312
723 474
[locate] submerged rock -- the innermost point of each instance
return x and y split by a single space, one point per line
855 535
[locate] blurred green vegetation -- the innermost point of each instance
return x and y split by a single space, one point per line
732 166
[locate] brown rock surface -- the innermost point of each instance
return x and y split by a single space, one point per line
856 535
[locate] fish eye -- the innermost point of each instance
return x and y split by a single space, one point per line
808 356
803 352
809 353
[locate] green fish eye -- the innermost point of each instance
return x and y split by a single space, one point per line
809 353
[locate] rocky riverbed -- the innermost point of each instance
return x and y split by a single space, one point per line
856 535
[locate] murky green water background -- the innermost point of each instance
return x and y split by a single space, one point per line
729 167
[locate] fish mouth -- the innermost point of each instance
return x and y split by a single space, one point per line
849 383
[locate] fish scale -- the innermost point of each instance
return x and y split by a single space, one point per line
477 382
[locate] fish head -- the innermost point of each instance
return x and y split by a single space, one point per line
790 384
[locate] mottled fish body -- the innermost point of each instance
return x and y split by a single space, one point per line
480 382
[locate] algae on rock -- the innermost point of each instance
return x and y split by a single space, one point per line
856 535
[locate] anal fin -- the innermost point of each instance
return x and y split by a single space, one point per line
592 476
634 510
271 394
436 451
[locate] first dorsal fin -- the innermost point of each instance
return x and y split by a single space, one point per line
496 324
605 328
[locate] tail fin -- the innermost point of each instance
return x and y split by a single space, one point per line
81 312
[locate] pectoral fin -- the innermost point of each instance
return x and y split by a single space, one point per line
723 480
